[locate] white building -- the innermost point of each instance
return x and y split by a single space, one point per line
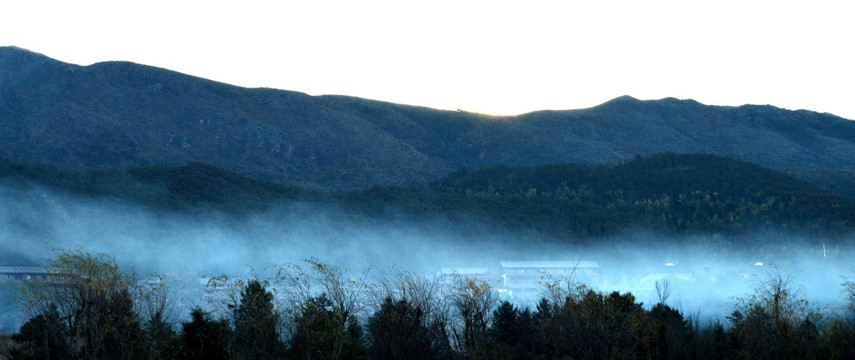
527 276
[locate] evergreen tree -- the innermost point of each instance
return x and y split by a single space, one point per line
204 338
42 337
399 330
317 333
255 335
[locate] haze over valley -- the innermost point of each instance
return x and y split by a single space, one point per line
171 174
707 271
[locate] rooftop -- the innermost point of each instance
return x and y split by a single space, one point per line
22 270
570 264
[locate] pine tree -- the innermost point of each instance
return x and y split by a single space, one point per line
255 322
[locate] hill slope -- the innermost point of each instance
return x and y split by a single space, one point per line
119 115
666 192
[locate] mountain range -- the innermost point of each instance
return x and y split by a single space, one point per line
116 115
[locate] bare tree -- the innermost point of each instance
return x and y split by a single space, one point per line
473 302
155 301
778 296
397 284
320 290
663 290
223 292
775 321
560 289
412 312
158 312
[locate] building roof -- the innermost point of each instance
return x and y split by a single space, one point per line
571 264
464 270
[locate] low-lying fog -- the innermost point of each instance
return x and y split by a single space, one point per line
705 276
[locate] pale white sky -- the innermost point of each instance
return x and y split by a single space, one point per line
498 57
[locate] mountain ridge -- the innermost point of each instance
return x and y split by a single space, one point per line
120 114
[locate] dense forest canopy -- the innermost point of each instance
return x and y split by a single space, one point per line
669 192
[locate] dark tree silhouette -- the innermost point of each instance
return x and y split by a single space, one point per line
255 321
42 337
204 338
399 331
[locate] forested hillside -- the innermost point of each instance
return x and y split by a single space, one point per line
667 192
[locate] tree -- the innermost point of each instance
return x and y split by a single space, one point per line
505 327
774 321
412 306
94 302
204 338
118 329
159 316
321 303
318 331
356 347
255 321
674 337
473 301
399 330
512 331
839 340
849 294
42 337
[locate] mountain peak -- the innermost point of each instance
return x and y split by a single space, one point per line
625 99
13 54
12 48
629 102
15 62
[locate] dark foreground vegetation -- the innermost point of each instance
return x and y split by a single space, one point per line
667 193
89 309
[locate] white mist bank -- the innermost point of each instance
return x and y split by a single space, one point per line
191 246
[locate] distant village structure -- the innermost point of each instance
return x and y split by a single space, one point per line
523 278
23 273
519 280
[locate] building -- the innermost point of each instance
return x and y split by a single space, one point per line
23 273
527 276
